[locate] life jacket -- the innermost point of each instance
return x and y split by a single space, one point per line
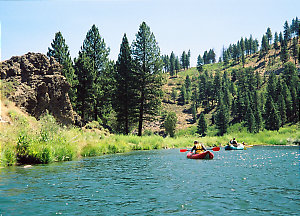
199 149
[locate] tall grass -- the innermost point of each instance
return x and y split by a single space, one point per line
26 140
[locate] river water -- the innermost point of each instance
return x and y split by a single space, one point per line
258 181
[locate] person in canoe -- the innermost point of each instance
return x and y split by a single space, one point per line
198 147
234 142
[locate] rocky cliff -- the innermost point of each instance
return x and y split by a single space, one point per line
38 86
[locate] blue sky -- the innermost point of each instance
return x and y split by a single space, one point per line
178 25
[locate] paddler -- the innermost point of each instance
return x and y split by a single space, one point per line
198 147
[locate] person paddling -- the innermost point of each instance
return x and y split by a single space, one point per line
234 142
198 148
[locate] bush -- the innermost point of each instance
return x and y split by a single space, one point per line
170 123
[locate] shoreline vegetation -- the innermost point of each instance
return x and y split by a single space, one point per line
25 140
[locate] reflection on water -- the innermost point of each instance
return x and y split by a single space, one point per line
258 181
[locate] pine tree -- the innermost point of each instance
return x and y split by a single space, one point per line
166 62
124 95
287 31
183 60
174 94
194 112
264 45
170 123
202 125
222 119
287 101
276 40
200 64
172 64
188 59
95 48
271 86
250 120
280 38
225 58
272 117
183 95
147 66
188 83
177 65
282 109
295 48
269 35
60 52
84 70
284 54
257 113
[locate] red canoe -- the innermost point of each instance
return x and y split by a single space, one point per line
204 155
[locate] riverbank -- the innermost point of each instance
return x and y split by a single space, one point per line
25 140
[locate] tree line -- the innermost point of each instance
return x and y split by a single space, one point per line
119 94
173 64
123 94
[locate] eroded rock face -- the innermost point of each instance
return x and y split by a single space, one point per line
38 86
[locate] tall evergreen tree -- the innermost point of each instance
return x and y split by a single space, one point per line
147 66
272 117
183 60
295 49
276 40
269 35
200 64
284 53
84 70
281 109
172 64
222 119
202 125
287 31
250 120
280 38
257 113
60 52
183 95
95 48
177 65
174 94
125 95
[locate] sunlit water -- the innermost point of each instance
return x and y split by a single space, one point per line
258 181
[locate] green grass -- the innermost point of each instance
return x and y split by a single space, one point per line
44 141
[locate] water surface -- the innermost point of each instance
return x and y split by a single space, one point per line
258 181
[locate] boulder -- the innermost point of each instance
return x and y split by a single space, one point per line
38 86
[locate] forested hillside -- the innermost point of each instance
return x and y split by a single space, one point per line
254 84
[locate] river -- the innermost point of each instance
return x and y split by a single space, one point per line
258 181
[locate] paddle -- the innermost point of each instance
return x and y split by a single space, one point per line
214 149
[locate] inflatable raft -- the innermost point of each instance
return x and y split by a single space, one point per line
231 147
204 155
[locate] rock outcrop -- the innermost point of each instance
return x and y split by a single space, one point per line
38 86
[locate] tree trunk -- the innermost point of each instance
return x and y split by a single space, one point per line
141 115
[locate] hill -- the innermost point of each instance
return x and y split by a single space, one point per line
261 64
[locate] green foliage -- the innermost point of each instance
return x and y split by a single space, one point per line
272 117
94 71
174 94
202 125
147 67
170 123
60 52
222 119
125 97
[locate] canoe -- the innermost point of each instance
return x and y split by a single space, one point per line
204 155
231 147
